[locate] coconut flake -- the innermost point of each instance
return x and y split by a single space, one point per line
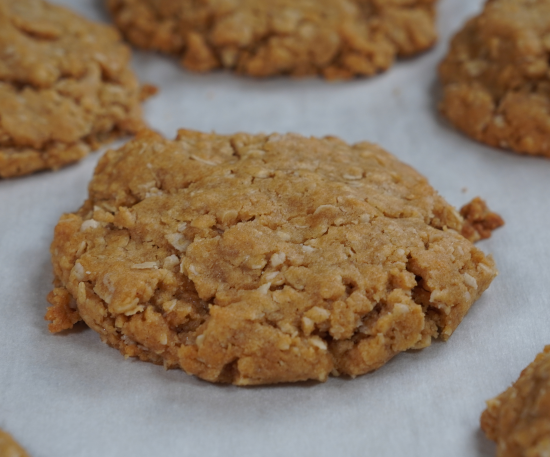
89 224
264 288
318 342
178 241
78 271
470 280
278 259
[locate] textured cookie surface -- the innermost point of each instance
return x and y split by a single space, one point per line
496 76
519 418
65 87
336 38
259 259
8 446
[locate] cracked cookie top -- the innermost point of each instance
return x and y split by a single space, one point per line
335 38
496 76
258 259
65 87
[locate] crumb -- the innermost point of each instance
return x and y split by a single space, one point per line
479 221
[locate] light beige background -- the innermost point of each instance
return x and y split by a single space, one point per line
70 395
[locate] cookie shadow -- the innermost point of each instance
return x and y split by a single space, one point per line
436 95
484 446
100 8
43 278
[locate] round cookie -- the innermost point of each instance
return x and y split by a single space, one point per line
254 259
65 87
496 76
9 447
334 38
519 418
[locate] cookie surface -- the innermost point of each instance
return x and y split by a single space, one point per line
258 259
65 87
519 418
496 76
335 38
9 447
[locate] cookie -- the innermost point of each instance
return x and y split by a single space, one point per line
334 38
65 87
254 259
9 447
496 77
519 418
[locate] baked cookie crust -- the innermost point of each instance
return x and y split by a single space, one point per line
65 87
335 38
519 418
254 259
496 77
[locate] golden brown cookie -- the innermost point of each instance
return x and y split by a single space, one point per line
9 447
519 418
496 76
258 259
334 38
65 87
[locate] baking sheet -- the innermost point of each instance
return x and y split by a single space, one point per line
72 395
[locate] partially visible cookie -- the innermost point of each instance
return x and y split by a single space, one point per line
496 76
519 418
65 87
335 38
258 259
9 447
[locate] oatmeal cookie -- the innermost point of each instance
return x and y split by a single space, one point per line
519 418
9 447
256 259
334 38
65 87
496 76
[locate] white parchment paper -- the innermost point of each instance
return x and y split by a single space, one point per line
71 395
